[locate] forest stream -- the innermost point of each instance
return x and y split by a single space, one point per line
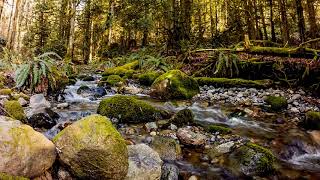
297 154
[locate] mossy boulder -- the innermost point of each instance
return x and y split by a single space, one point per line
148 78
6 92
121 70
114 80
252 159
312 120
174 85
220 129
85 77
277 103
93 149
225 82
23 151
128 109
183 117
84 89
15 110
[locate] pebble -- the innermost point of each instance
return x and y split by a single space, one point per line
153 133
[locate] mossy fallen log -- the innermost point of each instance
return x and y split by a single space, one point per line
225 82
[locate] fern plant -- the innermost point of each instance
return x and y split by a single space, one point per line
40 73
226 65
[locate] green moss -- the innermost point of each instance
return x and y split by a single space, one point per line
277 103
121 70
5 92
312 120
114 80
260 159
183 117
93 149
225 82
15 110
83 88
148 78
174 85
220 129
4 176
129 74
128 109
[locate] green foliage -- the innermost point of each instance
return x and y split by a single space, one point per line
40 73
226 65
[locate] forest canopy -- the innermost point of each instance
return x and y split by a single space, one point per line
85 30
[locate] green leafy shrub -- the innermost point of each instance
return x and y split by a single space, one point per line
41 73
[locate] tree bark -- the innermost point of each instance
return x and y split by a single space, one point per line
284 21
312 18
15 24
110 19
301 23
73 5
87 32
264 26
273 33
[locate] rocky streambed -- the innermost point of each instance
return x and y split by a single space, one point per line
222 133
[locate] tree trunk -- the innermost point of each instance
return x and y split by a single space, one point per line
264 26
312 19
211 19
110 21
301 23
15 24
70 49
87 33
186 18
273 33
21 18
284 21
249 19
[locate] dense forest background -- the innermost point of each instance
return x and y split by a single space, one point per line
86 30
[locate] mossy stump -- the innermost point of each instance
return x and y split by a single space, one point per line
312 120
277 103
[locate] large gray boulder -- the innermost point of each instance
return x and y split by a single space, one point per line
144 163
23 151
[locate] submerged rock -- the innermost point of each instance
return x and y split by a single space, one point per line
128 109
170 172
312 120
23 151
167 148
252 160
174 85
144 163
93 149
190 138
183 117
47 118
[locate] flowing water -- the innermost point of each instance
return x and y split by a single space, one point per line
298 156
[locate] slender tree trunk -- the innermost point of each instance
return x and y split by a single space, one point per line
110 19
301 23
211 19
273 32
15 24
21 18
284 21
87 33
70 49
256 17
249 19
186 18
312 18
10 20
263 19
